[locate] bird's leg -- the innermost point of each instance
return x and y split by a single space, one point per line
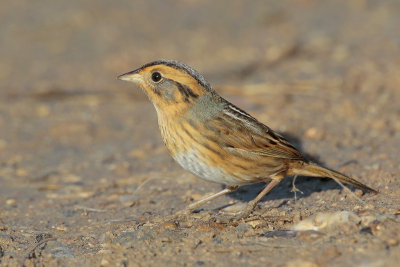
191 207
294 188
202 201
252 204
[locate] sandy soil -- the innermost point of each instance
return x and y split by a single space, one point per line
85 179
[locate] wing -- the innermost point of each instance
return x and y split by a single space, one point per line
244 134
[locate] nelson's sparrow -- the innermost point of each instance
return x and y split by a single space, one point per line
214 139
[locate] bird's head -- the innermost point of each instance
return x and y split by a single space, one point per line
171 86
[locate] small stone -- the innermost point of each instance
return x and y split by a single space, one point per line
168 225
11 202
314 133
358 192
132 238
130 200
234 209
280 234
210 226
255 223
323 220
311 133
58 250
62 227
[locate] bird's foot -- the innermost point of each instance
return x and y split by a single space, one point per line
295 189
239 211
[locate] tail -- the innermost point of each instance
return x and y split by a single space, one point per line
312 169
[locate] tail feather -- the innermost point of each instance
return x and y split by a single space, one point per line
312 169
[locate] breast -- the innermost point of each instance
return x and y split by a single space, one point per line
198 150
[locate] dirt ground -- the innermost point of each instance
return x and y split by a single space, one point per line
86 180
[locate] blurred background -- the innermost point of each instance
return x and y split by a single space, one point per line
325 73
84 45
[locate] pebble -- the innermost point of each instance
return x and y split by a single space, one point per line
57 250
210 226
308 236
11 202
323 220
62 227
130 200
255 223
130 238
168 225
234 209
313 133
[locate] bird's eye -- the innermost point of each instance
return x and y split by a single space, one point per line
156 77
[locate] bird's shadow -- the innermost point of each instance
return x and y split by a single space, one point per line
307 185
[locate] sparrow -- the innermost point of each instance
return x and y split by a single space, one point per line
217 141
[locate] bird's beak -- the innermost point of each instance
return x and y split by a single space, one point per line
132 76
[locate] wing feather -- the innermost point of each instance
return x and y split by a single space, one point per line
247 135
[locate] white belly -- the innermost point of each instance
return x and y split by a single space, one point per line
190 162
